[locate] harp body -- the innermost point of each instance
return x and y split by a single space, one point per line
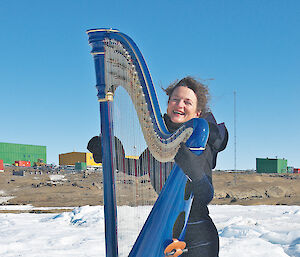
118 62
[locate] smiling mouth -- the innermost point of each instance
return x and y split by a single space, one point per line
179 113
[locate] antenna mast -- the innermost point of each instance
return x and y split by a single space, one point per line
234 112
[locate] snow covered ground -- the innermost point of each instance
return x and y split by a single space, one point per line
245 231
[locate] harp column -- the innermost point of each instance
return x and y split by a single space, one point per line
110 210
108 148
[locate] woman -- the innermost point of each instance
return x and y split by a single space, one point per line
188 99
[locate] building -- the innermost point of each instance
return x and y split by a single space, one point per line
10 153
296 170
75 157
271 165
290 169
1 166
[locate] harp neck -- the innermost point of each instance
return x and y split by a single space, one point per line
118 62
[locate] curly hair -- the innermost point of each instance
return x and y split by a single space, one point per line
201 91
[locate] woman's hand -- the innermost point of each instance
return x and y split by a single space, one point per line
95 147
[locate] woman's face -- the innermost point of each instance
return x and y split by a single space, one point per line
182 105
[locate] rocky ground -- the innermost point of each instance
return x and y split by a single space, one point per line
256 189
66 189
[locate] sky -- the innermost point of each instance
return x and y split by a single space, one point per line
47 77
258 231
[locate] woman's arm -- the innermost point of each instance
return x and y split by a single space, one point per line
199 171
199 168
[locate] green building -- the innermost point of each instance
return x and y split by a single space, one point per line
80 166
271 165
10 153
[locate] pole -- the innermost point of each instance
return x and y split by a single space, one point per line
234 99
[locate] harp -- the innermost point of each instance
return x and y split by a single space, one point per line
118 62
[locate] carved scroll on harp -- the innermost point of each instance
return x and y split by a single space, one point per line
118 62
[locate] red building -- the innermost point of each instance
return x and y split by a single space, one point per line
23 163
1 166
296 170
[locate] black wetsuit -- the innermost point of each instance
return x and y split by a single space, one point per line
201 234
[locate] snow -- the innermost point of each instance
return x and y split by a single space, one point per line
4 199
29 207
256 231
56 177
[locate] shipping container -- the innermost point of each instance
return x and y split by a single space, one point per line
22 163
10 152
80 166
19 173
1 166
271 165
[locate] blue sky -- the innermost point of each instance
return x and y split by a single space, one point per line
251 47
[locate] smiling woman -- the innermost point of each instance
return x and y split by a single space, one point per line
188 99
182 105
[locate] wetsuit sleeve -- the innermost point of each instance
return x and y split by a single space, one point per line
199 171
217 140
199 168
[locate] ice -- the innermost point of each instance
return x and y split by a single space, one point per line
256 231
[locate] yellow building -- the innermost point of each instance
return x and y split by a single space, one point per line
73 157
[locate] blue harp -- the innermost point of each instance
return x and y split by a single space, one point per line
118 62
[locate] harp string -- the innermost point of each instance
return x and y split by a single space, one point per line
133 186
124 184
